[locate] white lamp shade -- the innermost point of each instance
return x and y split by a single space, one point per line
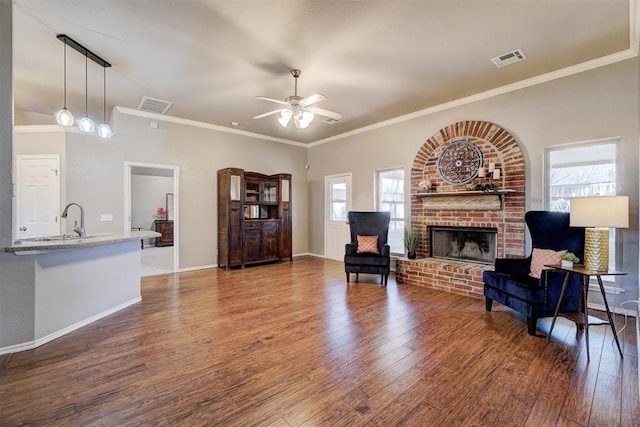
600 211
285 116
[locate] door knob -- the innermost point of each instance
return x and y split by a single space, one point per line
23 228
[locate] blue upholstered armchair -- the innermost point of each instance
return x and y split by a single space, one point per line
368 251
511 285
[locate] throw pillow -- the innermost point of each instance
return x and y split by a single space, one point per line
368 244
540 257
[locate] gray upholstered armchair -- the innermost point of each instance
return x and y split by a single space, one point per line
368 251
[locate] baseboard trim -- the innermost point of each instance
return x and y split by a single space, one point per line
30 345
308 254
616 310
200 267
204 267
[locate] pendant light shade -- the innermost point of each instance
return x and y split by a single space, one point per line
104 130
64 116
86 124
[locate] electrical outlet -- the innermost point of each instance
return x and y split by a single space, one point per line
106 217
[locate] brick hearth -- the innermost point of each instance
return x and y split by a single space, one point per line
497 145
457 277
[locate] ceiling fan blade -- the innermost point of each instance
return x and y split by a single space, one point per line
277 101
267 114
313 99
331 114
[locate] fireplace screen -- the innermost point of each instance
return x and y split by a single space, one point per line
464 243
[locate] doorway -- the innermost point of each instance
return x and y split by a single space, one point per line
150 187
337 189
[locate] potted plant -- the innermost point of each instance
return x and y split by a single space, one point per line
411 240
568 259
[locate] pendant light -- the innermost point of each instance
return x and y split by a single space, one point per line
86 124
104 130
64 116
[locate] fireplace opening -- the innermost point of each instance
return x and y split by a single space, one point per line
463 243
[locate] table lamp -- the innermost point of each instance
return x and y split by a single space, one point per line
598 214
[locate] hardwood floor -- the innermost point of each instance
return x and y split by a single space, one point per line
291 344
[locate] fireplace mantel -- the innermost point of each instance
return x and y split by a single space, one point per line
464 200
465 193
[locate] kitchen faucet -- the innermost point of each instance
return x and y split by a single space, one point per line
79 230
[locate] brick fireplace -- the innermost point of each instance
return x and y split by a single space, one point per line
450 205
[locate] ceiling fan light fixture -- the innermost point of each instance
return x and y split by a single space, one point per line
298 108
307 117
285 116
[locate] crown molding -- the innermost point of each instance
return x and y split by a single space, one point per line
195 123
543 78
38 128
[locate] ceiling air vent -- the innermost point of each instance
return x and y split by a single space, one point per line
330 120
509 58
154 105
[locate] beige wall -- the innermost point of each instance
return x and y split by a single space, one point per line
596 104
95 175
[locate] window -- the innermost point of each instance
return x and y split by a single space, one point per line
338 194
580 170
390 198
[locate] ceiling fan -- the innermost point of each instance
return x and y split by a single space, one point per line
299 109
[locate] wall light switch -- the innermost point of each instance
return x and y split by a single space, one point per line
106 217
153 125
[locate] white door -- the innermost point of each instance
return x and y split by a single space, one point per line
337 204
38 196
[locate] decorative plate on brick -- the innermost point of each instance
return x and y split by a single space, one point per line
459 162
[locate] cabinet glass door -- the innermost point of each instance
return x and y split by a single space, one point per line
270 192
285 190
235 187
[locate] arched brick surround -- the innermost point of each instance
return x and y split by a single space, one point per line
497 145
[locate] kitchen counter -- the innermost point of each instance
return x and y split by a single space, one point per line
62 283
30 246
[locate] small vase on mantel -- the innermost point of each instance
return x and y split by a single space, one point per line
411 255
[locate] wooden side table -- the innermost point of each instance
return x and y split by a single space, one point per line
165 228
583 318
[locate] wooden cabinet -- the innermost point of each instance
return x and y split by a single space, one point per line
261 240
166 229
254 217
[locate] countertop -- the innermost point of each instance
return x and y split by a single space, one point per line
41 245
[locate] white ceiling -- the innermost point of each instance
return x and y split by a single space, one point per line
374 60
